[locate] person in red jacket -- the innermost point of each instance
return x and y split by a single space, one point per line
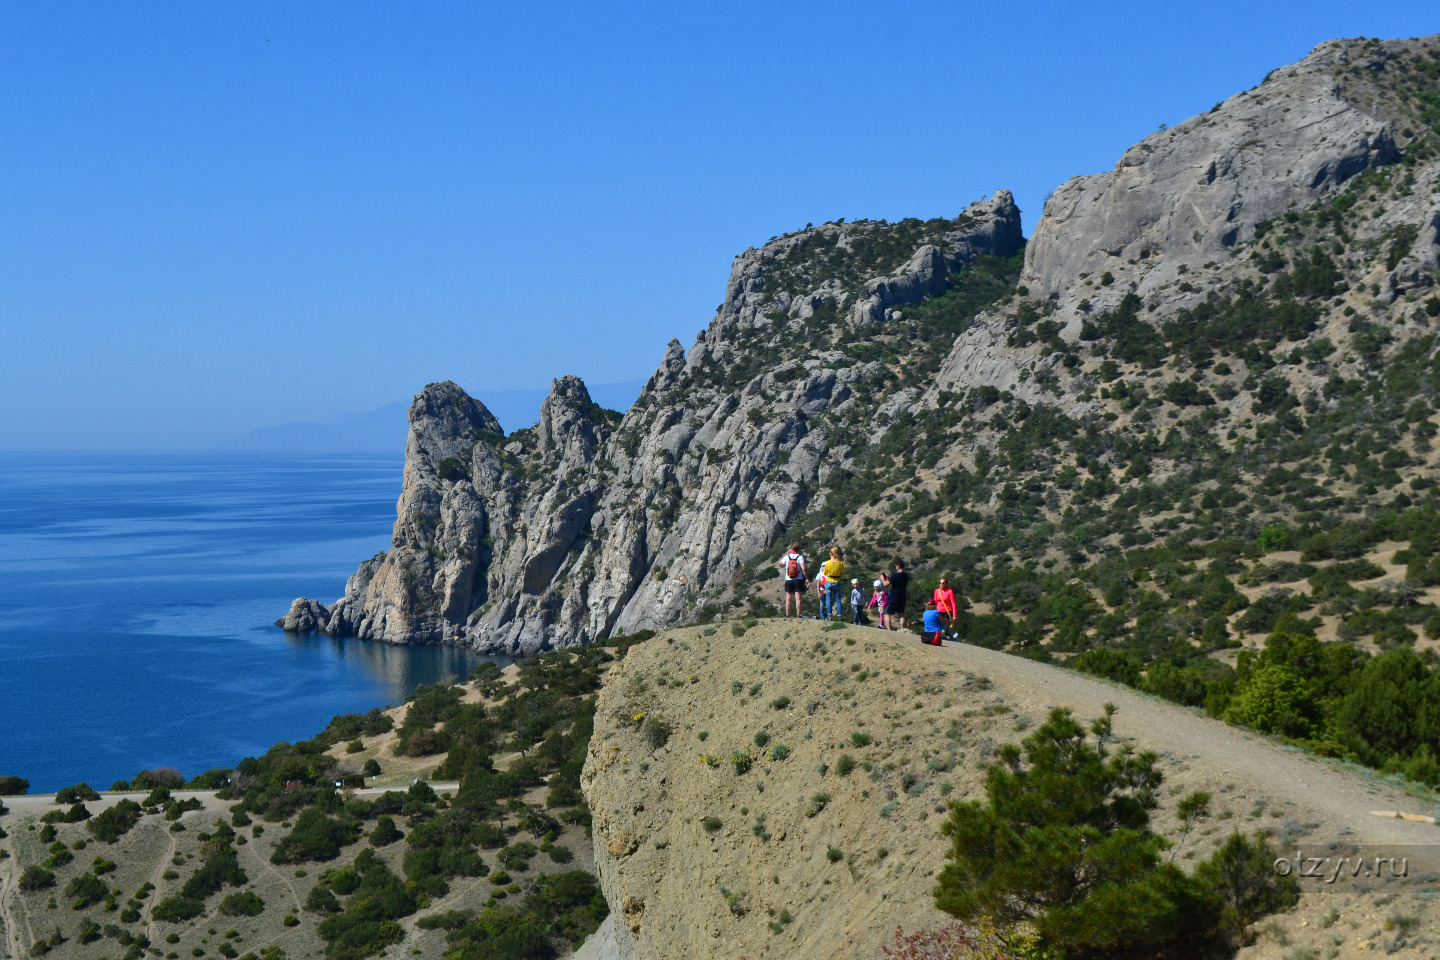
945 599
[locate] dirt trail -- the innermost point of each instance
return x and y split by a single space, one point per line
13 915
1332 794
158 880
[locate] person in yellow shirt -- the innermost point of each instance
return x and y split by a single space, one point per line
834 570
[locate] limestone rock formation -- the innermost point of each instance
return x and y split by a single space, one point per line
592 522
866 381
305 616
1188 194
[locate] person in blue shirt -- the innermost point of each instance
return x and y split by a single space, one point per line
933 624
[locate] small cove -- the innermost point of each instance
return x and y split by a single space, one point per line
137 596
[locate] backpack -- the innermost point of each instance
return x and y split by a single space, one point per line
792 566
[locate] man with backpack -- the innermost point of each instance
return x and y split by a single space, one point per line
797 580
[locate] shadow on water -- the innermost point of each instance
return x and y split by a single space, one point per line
401 668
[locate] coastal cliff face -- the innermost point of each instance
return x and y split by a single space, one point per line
942 389
591 522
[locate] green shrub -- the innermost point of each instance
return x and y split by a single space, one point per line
516 856
860 739
344 881
371 768
244 904
655 731
1241 875
1110 664
13 786
449 920
816 805
175 809
76 794
177 909
59 856
1064 844
314 837
845 765
85 890
321 900
385 831
367 924
1272 699
112 823
571 903
36 878
75 814
220 867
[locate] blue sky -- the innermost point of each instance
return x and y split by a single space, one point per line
219 217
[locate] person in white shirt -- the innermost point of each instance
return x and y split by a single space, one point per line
792 568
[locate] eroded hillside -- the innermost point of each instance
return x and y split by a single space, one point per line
780 790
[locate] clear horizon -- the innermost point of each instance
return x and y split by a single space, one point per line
225 219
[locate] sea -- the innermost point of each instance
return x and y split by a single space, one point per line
138 593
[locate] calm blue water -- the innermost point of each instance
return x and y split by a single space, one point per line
137 593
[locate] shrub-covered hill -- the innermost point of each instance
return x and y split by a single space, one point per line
492 861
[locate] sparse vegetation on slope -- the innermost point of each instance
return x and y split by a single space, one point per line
287 866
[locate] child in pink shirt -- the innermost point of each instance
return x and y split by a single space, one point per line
878 600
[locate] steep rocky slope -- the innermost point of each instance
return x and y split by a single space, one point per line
592 522
1231 330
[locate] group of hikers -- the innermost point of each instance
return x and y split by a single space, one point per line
888 597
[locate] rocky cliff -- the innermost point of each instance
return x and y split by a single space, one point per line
1239 289
591 522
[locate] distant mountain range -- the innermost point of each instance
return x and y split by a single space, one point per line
384 428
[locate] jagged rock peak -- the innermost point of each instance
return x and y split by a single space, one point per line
565 421
445 409
1185 196
670 367
769 285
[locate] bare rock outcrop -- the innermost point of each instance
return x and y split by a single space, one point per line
305 616
1187 195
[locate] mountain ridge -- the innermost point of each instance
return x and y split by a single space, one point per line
1179 327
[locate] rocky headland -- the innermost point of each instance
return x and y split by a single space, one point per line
868 382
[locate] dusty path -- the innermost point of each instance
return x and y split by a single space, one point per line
1335 796
13 916
40 803
158 880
